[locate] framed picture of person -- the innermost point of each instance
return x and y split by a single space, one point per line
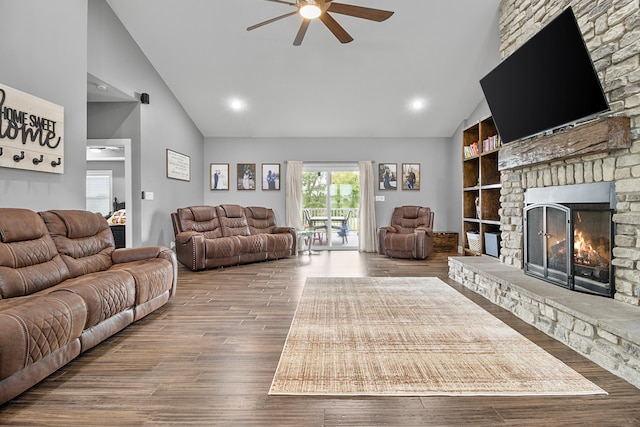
411 176
246 176
387 176
219 176
270 176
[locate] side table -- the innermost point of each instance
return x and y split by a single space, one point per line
305 236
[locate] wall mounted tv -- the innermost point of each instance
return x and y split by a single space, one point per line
549 82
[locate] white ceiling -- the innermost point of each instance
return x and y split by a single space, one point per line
436 50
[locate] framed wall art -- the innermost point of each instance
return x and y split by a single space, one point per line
411 176
219 176
178 166
246 176
271 176
387 176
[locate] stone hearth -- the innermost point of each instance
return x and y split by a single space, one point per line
604 330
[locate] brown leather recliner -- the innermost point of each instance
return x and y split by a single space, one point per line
410 234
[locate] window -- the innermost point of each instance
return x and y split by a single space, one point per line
99 191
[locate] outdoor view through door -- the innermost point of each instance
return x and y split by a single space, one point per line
331 197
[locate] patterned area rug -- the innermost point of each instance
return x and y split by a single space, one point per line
410 337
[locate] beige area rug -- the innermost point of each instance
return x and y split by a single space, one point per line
410 337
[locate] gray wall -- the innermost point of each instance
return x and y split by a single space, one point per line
153 128
434 155
95 41
44 53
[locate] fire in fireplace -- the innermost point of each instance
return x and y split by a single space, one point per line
568 236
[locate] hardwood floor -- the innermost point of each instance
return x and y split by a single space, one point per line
208 358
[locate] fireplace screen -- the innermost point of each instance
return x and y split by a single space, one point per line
570 246
592 245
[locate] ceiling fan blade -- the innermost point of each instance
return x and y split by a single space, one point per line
378 15
301 32
337 30
277 18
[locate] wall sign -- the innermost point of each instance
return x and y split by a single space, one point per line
31 132
178 166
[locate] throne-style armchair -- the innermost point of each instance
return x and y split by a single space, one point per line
410 234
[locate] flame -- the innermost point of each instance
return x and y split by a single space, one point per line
583 251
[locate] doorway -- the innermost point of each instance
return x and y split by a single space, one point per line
105 152
330 200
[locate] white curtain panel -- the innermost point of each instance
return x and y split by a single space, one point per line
293 201
368 232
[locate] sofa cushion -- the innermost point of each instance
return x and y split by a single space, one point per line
34 327
105 293
29 261
233 220
84 239
223 247
153 277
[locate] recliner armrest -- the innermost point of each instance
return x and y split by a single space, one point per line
387 229
428 231
123 255
184 236
278 230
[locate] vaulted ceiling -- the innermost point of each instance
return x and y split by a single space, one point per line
433 50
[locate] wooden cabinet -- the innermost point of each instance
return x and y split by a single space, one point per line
445 241
481 184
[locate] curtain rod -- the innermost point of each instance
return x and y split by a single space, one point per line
330 161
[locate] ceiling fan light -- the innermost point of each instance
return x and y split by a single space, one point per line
310 11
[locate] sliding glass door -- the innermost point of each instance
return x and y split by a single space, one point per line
331 197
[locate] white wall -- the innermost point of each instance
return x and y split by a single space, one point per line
433 154
44 53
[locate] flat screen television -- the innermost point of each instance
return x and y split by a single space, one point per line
547 83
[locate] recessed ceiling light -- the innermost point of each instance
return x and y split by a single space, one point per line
101 86
236 105
417 104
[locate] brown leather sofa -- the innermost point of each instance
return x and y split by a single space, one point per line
64 288
216 236
410 234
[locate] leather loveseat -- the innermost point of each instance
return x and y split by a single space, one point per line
410 234
64 288
216 236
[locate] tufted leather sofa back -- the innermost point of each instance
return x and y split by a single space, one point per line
233 221
83 239
260 219
405 219
29 261
203 219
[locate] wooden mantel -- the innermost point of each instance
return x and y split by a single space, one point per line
602 135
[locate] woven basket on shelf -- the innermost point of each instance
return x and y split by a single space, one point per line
474 242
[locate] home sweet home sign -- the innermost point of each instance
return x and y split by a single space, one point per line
31 132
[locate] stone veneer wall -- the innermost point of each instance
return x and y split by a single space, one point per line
611 29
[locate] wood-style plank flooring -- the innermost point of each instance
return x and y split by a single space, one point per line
208 358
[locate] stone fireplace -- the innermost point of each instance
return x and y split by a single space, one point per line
555 170
606 152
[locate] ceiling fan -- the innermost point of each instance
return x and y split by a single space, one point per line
312 9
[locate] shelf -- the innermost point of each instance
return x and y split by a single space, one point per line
490 187
481 183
